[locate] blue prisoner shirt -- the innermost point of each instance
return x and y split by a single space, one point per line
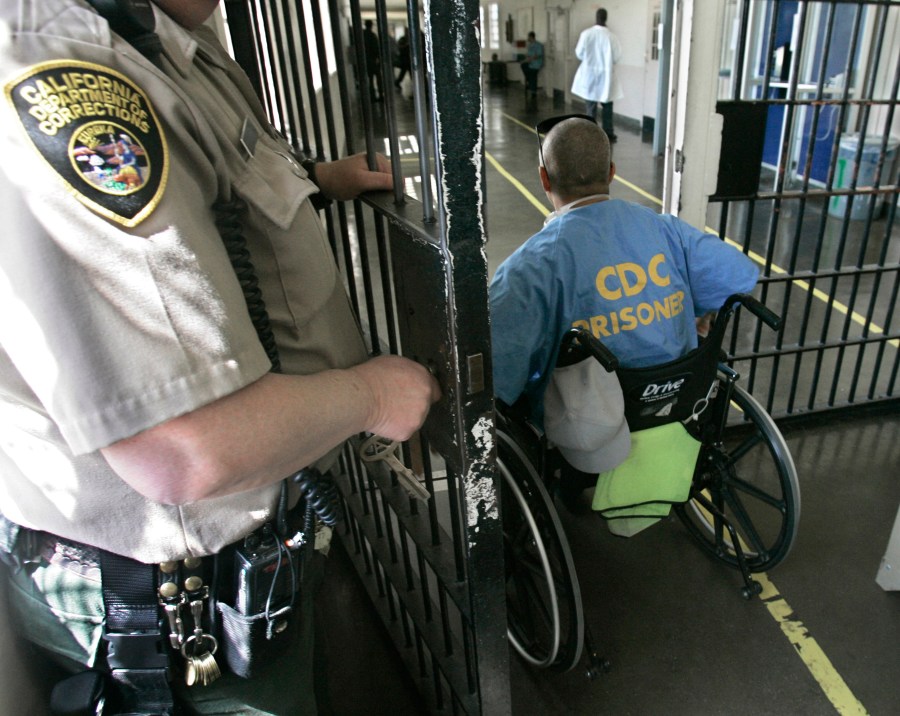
634 278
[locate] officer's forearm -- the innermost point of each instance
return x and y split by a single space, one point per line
250 438
271 429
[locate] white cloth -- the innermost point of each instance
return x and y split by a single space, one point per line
596 79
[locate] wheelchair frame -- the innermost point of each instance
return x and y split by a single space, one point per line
743 508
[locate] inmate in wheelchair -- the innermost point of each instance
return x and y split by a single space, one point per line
734 485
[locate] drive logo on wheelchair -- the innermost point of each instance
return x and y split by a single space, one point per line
659 398
663 390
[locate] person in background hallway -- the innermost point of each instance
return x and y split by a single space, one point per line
596 80
534 61
373 61
403 61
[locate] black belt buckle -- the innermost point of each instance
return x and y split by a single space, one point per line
137 650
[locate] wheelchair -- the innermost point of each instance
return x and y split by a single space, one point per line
743 507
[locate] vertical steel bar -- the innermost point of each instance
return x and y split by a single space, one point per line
240 28
740 57
891 305
784 156
344 106
829 184
362 80
301 29
801 212
289 87
872 203
387 98
416 56
309 82
277 109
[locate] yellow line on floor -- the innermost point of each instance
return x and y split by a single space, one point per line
530 196
804 285
521 124
831 683
518 185
636 189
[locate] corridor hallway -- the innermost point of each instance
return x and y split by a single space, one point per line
823 638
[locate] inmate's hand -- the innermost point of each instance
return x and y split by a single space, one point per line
348 178
401 392
704 323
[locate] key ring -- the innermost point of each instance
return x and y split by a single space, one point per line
196 641
377 448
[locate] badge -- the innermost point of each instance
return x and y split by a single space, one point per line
98 131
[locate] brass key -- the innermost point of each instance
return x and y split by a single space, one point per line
378 448
199 648
202 668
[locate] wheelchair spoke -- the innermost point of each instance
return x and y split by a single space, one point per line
735 454
527 564
747 531
750 477
545 619
752 490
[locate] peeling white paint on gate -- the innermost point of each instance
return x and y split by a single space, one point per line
481 498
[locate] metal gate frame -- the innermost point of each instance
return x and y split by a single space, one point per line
434 571
840 348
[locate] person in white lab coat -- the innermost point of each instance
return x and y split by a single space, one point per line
595 80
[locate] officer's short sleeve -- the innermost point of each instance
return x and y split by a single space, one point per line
121 307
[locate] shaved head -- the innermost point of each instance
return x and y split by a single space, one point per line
577 159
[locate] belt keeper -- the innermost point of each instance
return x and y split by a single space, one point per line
139 650
132 624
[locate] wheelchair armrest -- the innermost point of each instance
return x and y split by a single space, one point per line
577 344
758 309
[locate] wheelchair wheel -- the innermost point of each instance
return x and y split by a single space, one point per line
543 600
750 478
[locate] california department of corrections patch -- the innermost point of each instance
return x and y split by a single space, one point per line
98 130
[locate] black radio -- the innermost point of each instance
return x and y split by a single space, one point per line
266 574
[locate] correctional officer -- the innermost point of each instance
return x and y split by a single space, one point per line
140 414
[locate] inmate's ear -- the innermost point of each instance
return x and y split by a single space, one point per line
545 178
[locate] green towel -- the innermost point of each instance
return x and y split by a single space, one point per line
656 474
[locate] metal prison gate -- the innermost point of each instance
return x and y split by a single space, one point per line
808 186
417 276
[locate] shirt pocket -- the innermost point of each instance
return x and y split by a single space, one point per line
288 246
273 181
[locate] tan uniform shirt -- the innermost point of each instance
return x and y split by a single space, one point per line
121 308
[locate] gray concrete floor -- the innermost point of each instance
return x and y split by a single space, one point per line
671 621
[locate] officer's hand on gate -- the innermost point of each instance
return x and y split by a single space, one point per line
401 391
348 178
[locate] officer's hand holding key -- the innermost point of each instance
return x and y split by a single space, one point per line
378 448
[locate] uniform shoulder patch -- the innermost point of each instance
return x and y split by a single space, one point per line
99 132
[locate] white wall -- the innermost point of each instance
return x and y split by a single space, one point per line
527 16
629 19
